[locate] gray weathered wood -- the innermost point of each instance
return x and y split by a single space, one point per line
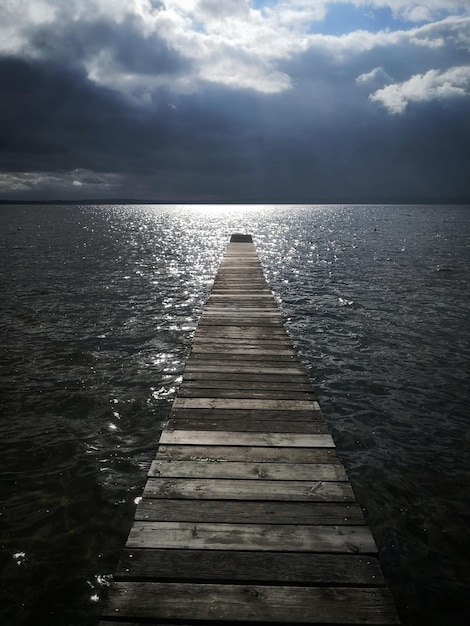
247 425
255 471
247 414
258 394
241 321
248 453
239 489
219 366
280 360
247 515
243 332
274 378
209 438
246 403
250 512
272 537
231 566
254 603
241 349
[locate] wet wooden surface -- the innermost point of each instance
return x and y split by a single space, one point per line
247 515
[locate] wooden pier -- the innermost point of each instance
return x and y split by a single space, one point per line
247 515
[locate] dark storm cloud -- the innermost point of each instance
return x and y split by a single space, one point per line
152 109
125 47
52 115
281 147
55 119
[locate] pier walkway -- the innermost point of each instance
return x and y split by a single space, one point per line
247 515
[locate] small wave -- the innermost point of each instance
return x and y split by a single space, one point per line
444 269
345 302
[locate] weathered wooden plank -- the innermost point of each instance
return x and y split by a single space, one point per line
247 274
228 267
239 489
245 379
252 278
210 438
244 268
251 281
202 392
241 288
240 293
254 471
250 567
248 425
239 331
302 417
242 256
203 339
241 302
242 311
250 512
240 321
214 365
221 345
248 304
259 537
223 317
112 622
242 284
253 603
241 349
247 271
248 381
232 277
235 256
239 253
249 277
246 403
230 297
248 453
263 360
252 307
242 331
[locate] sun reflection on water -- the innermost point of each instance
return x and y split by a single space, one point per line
224 209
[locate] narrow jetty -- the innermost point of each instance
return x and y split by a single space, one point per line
247 516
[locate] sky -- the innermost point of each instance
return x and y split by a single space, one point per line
235 100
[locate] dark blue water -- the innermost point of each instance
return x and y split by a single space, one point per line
98 304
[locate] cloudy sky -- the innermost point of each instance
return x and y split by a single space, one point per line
235 100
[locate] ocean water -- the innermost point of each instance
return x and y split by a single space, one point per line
98 306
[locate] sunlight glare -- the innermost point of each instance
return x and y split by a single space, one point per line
226 209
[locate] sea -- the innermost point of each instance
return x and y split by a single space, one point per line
98 306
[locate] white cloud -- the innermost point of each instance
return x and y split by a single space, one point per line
452 31
433 85
296 14
227 42
418 11
377 75
215 9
